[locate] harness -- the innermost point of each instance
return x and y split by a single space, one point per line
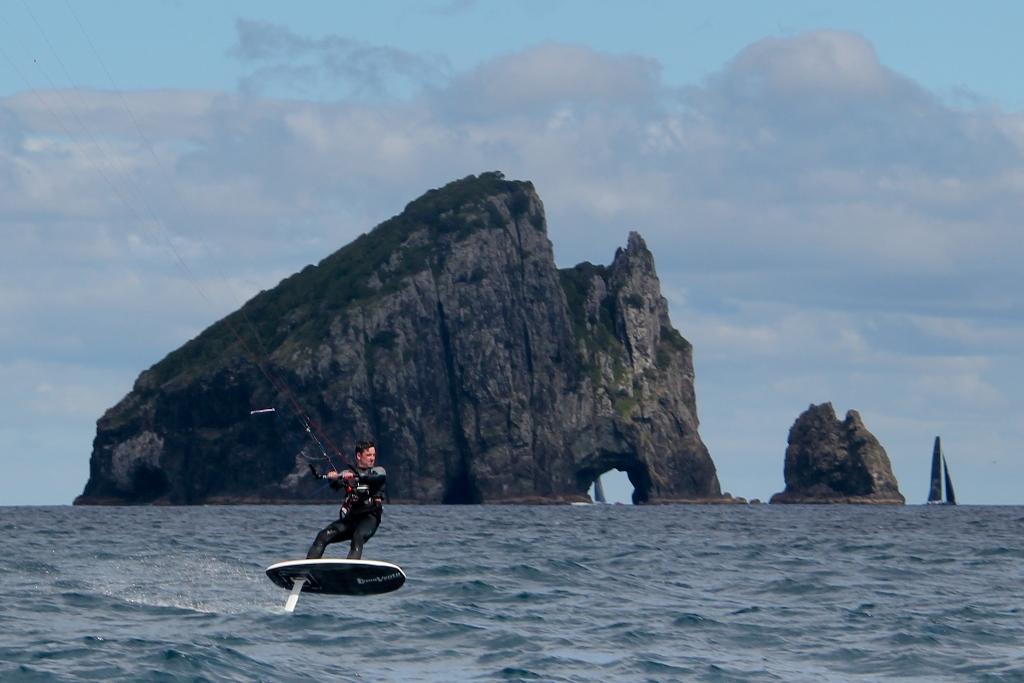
359 498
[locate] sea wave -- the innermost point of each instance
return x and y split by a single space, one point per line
731 593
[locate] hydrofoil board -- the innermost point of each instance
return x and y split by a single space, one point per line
335 577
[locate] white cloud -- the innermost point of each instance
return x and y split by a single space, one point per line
288 61
550 75
974 333
603 136
971 389
55 391
830 62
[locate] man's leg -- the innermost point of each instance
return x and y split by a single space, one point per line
338 531
365 528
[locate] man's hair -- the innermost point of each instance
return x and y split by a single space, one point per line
363 445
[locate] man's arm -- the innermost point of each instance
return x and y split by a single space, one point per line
375 478
338 479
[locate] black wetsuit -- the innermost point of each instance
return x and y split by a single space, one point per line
360 512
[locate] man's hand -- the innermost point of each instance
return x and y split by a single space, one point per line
332 475
348 475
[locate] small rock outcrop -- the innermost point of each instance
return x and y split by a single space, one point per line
447 334
828 461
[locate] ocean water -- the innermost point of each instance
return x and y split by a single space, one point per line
583 593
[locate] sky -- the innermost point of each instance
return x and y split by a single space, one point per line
831 192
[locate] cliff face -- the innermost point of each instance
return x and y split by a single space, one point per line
449 337
828 461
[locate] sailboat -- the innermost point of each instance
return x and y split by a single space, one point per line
599 491
940 475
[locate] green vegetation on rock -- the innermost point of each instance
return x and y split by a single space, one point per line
301 307
598 336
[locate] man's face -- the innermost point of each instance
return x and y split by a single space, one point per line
366 458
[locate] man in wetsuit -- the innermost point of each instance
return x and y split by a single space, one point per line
359 517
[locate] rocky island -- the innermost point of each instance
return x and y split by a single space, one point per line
447 334
828 461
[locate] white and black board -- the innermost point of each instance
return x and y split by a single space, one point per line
335 577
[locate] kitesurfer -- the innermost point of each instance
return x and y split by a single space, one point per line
359 517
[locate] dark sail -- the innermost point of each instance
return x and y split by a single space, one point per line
935 491
599 491
950 496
